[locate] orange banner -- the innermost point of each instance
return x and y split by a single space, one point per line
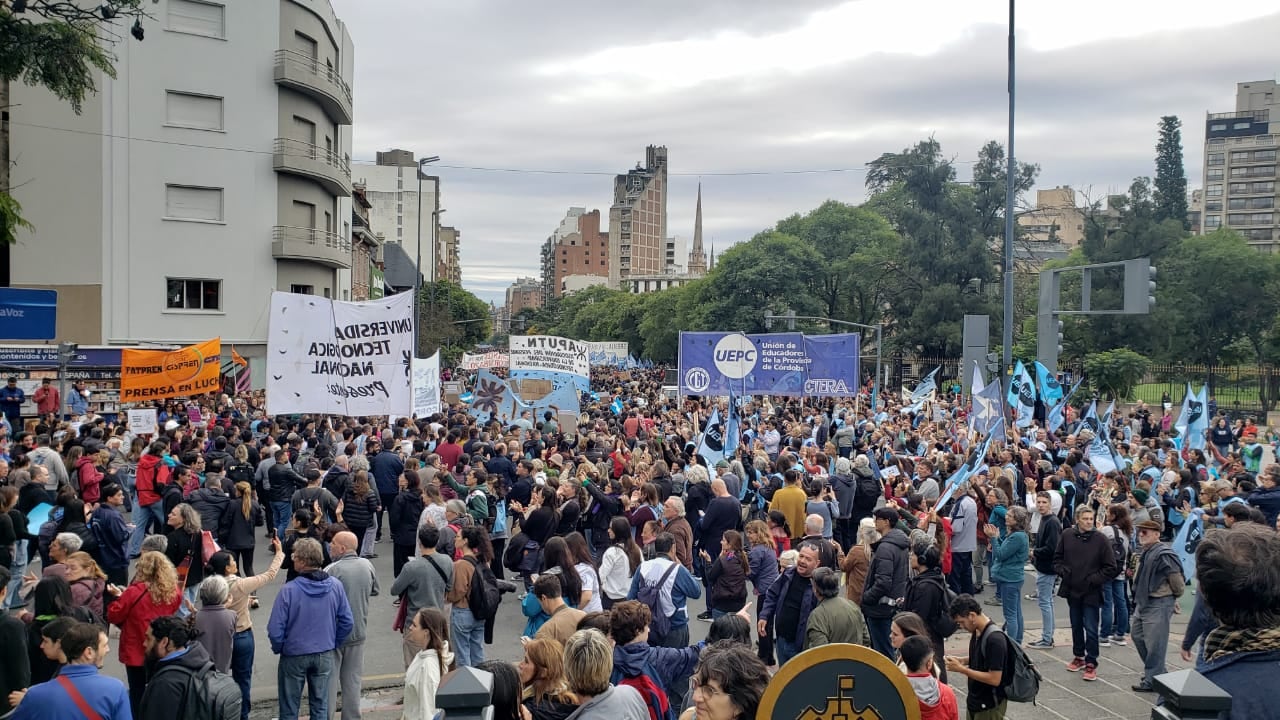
159 374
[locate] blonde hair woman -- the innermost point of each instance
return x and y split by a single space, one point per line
88 582
546 692
154 593
858 560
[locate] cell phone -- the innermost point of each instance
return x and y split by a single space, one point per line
273 533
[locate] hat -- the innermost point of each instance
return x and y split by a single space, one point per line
1151 525
171 425
1141 496
540 478
722 464
556 459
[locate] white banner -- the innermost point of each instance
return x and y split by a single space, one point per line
608 353
485 361
143 422
426 386
344 358
548 353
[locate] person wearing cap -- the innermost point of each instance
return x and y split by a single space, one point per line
1157 585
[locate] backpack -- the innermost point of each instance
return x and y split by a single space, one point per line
653 696
240 472
944 624
484 596
651 595
210 695
868 490
1021 681
1119 549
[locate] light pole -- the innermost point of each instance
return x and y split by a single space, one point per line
1009 178
417 278
769 317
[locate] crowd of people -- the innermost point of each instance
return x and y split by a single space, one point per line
831 522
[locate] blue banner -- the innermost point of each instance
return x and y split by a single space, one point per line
774 364
28 314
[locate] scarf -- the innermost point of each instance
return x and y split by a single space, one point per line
1225 640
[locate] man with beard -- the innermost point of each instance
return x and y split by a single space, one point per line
175 657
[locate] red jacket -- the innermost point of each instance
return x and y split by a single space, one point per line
152 473
133 612
90 479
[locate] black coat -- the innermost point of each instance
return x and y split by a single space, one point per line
211 505
1085 562
358 512
182 544
926 598
887 576
406 509
237 530
728 584
167 688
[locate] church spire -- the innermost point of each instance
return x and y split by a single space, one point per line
697 258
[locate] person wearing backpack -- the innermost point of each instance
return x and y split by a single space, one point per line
1115 597
663 584
184 683
929 596
985 668
474 596
360 581
654 672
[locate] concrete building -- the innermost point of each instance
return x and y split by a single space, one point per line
214 169
449 266
399 214
697 258
524 293
1195 209
366 248
1240 166
1057 218
638 219
578 249
675 254
637 284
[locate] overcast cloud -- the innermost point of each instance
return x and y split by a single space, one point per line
763 86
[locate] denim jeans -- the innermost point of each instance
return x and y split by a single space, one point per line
786 649
314 670
16 568
879 629
468 637
282 514
1151 635
1010 594
189 595
1044 598
1115 608
1084 630
961 577
242 651
142 517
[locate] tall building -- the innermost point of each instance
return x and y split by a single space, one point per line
392 188
638 219
151 221
697 258
576 255
1240 166
1056 218
675 254
449 266
524 293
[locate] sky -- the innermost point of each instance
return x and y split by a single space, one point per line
533 107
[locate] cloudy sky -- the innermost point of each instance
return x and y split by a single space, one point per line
570 92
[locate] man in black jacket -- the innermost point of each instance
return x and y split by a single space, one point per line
281 483
886 584
1085 562
1047 536
171 645
113 535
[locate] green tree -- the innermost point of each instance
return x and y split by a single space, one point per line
1114 373
771 271
1171 180
451 320
61 46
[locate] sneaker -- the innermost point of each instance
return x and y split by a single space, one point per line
705 616
1091 672
1143 687
1040 645
1119 640
1104 641
1031 596
1076 665
992 601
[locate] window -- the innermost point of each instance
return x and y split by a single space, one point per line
1215 159
1214 173
185 294
302 289
1237 156
1213 190
1264 155
1213 206
1212 221
1243 125
196 17
1255 203
189 110
188 202
1216 127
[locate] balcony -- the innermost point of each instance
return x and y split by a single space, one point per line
1254 115
310 245
313 162
308 75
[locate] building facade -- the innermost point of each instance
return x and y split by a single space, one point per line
577 249
1240 167
524 293
212 170
638 219
449 266
398 212
365 248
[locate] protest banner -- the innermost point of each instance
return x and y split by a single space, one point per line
159 374
485 361
426 386
142 421
547 357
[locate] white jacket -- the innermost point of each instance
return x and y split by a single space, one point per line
421 682
615 573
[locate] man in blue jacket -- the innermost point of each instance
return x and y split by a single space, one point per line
789 603
79 686
310 619
677 586
113 535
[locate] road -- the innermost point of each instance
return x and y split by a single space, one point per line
1062 694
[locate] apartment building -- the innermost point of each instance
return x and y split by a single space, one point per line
638 219
405 219
1240 167
524 293
575 255
212 170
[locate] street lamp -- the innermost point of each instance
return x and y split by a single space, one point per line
791 317
417 278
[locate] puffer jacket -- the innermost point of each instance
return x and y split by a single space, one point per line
359 512
150 479
728 583
212 505
405 511
887 579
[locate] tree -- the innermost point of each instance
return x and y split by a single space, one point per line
60 45
1114 373
1171 180
771 271
451 320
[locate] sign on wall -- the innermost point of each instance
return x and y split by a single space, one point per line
426 386
28 314
772 364
348 358
158 374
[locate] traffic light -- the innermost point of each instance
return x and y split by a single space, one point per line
993 364
1139 286
1059 337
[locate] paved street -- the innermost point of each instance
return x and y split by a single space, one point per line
1062 695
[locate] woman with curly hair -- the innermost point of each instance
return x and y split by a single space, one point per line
154 593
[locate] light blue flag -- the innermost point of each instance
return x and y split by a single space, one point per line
1186 541
1200 419
711 446
1184 416
563 398
1099 453
1050 388
977 458
732 432
616 406
988 406
927 386
492 398
1055 417
1022 396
